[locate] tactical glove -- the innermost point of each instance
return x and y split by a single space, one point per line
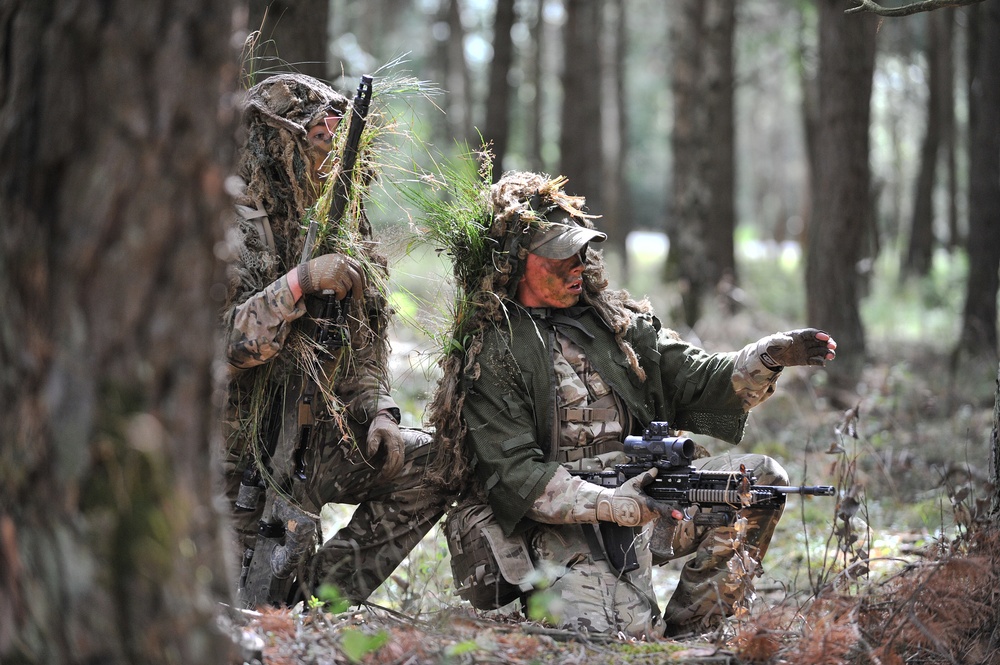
628 505
331 272
384 433
807 346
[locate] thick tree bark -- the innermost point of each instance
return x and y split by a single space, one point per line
580 140
293 36
995 454
979 319
115 134
497 126
842 210
702 220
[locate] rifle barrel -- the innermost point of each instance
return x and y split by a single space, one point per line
809 490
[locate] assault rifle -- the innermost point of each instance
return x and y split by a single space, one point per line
680 485
332 332
267 575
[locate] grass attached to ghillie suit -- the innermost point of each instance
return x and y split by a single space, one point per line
485 230
276 168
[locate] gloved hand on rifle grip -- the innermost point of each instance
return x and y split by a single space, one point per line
807 346
384 433
331 272
628 504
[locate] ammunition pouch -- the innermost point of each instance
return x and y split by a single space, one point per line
490 569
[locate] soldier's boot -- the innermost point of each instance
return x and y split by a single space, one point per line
300 538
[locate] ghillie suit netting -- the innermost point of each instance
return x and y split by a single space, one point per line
274 165
485 230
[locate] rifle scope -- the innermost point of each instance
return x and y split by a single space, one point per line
655 443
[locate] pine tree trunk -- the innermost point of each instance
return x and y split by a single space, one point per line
497 125
842 213
536 78
995 453
458 83
702 220
720 225
112 163
617 222
921 245
979 319
580 140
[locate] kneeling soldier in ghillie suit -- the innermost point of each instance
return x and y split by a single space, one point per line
553 372
310 423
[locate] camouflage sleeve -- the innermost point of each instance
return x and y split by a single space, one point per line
752 380
699 390
501 437
261 324
566 500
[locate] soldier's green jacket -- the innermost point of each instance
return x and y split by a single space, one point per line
509 412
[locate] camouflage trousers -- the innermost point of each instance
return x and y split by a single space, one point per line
714 581
392 516
583 591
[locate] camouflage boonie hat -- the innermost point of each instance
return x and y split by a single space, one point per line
562 240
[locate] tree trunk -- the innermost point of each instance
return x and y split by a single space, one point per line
458 84
115 140
995 453
498 103
580 140
720 225
534 149
949 134
921 245
617 221
293 33
842 211
979 327
702 221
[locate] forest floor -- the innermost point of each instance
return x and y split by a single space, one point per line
901 567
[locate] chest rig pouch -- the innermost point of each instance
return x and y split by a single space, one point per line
490 569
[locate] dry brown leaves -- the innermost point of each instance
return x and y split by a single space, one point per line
944 610
377 637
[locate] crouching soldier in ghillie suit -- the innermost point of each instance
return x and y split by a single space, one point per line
310 424
554 372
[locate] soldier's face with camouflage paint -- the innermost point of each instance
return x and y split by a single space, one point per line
320 138
551 282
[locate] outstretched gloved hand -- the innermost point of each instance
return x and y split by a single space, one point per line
807 346
384 433
331 272
628 505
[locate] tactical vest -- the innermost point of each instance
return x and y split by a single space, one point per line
591 419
